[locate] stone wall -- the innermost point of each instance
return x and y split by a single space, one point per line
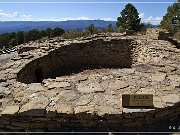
77 56
162 34
175 42
130 120
26 48
158 34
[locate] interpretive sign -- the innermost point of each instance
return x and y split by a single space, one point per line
135 100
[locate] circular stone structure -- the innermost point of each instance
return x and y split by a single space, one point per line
77 85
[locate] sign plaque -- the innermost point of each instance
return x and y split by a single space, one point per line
137 100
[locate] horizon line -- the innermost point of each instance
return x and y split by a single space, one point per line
64 21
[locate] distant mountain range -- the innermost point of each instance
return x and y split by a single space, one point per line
13 26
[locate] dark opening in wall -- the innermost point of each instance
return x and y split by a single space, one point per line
39 75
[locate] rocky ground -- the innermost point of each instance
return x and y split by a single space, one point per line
100 90
156 71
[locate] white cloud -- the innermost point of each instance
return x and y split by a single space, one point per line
76 18
3 14
141 15
153 20
71 18
27 17
150 19
16 14
108 19
24 17
62 19
83 18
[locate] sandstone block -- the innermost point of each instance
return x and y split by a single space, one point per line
10 110
159 77
64 108
89 87
118 84
129 32
35 107
35 87
59 85
154 32
171 99
82 109
84 100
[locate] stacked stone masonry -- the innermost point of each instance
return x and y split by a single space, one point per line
77 55
77 85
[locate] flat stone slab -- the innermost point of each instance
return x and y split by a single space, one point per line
118 84
171 99
64 108
84 100
146 91
35 87
89 87
59 85
10 110
123 72
84 109
35 107
159 77
5 91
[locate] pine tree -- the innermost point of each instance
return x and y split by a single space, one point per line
171 20
12 42
57 32
20 37
110 28
129 18
91 28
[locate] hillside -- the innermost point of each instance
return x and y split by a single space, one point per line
13 26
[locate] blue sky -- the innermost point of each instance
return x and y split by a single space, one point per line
149 12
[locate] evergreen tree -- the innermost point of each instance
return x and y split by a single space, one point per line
43 33
57 32
49 32
12 42
32 35
129 18
171 20
110 28
15 38
20 37
91 28
12 35
4 39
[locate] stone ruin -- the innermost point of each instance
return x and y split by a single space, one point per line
77 85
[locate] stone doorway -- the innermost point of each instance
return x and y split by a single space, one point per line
39 75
